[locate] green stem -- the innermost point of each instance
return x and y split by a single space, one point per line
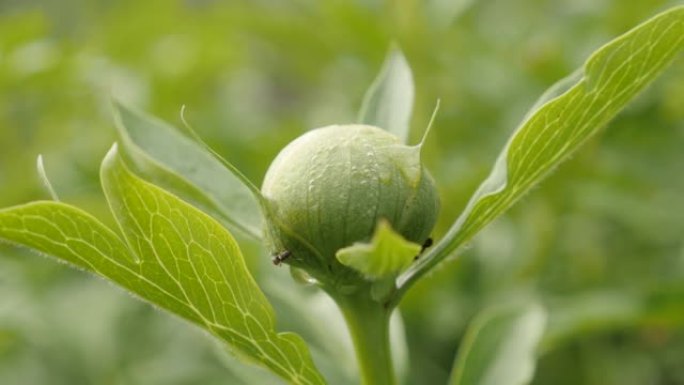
368 323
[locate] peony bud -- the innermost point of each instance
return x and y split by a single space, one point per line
329 188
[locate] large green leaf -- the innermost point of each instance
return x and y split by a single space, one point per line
500 347
176 257
562 122
172 160
388 103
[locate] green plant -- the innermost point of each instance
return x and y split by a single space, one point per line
172 254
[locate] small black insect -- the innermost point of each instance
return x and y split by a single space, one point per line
280 257
426 244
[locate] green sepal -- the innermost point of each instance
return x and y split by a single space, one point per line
386 255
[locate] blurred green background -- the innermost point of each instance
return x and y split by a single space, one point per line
601 242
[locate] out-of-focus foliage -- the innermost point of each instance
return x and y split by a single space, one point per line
500 346
601 241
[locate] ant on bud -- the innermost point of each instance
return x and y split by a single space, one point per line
280 257
426 244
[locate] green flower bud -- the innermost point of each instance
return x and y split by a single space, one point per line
329 188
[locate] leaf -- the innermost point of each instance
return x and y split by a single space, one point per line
388 103
557 89
657 304
612 76
177 257
499 347
592 312
387 254
170 159
202 266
